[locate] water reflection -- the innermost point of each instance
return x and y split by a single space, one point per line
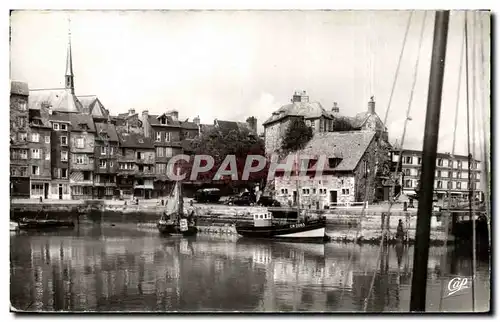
108 270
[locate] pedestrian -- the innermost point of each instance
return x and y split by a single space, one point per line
400 231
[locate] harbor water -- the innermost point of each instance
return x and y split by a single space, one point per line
107 267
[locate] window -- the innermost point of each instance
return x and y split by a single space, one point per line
408 160
312 125
13 172
37 189
449 185
408 183
111 150
459 185
35 170
64 173
56 173
77 190
139 155
158 136
102 164
459 164
167 136
64 140
22 106
86 175
109 191
64 127
35 153
439 173
103 150
159 152
24 171
23 136
160 167
47 156
440 184
305 191
64 156
23 154
47 139
55 126
35 137
168 152
314 191
440 162
80 143
308 122
419 160
80 159
21 121
163 120
407 172
110 164
345 191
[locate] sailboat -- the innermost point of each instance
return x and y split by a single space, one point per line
173 221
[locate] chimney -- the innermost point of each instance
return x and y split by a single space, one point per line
371 106
335 108
131 111
300 96
252 123
196 120
174 114
145 122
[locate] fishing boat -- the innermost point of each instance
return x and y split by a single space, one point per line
173 221
264 226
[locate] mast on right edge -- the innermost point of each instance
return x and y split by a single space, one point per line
431 134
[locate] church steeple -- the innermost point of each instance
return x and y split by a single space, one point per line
69 77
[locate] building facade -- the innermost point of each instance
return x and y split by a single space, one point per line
40 164
346 176
106 161
136 166
60 159
19 149
82 146
451 177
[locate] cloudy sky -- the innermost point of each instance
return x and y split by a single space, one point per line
231 65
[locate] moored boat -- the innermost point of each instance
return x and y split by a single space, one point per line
26 223
171 221
304 231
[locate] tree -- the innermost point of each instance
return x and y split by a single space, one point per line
342 124
297 135
219 144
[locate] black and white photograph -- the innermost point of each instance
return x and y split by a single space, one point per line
250 161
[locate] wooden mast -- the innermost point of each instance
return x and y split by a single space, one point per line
431 134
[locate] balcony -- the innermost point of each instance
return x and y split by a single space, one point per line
105 184
146 174
145 161
126 172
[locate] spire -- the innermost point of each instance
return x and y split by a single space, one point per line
69 77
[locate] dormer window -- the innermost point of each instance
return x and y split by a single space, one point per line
64 127
334 162
141 141
55 126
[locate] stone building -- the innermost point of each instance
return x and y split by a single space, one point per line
347 174
136 166
19 173
40 153
81 177
319 119
165 132
451 174
106 161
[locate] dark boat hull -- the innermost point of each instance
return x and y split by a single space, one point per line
45 224
313 231
173 230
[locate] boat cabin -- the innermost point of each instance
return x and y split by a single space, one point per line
263 219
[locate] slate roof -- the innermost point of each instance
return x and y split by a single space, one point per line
135 140
109 129
60 117
93 106
349 146
36 115
189 125
60 100
308 110
19 88
154 120
79 120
